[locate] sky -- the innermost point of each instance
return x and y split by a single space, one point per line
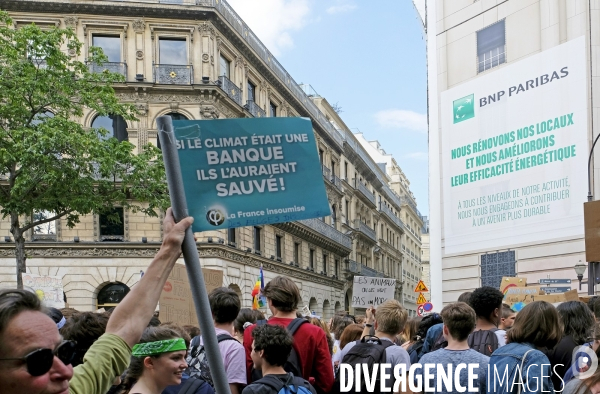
367 57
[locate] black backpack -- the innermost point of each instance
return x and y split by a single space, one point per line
293 363
273 385
484 341
439 343
198 363
370 350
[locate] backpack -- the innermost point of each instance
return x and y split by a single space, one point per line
198 362
414 350
439 343
191 385
273 385
484 341
370 350
292 364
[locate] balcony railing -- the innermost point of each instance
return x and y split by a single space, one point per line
173 74
337 182
113 67
364 191
328 231
363 228
356 268
254 109
326 172
231 89
388 212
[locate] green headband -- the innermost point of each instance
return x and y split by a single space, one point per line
158 347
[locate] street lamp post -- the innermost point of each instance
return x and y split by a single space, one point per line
579 270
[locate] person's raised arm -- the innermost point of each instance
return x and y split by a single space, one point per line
131 316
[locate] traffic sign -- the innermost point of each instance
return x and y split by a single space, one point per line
420 310
427 307
421 287
421 299
553 289
554 281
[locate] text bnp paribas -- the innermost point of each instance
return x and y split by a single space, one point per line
525 147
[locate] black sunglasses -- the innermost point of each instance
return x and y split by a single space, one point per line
40 361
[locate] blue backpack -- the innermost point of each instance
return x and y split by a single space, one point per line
292 385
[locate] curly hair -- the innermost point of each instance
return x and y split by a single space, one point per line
339 323
84 328
485 300
578 321
276 342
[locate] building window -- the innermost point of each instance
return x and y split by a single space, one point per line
278 242
257 235
174 116
111 294
112 225
311 259
494 266
111 46
251 91
297 253
491 46
336 267
231 236
273 109
115 124
45 231
172 51
224 67
324 263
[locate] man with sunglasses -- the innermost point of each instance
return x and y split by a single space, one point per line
35 360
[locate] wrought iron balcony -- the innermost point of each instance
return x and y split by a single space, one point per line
388 212
328 231
173 74
326 172
337 182
355 268
366 230
113 67
254 109
231 89
365 192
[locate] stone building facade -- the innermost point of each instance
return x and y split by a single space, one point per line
199 60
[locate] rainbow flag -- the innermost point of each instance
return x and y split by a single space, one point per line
258 301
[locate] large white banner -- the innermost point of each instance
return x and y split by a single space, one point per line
514 153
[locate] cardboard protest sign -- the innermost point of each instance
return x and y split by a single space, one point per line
176 304
368 291
508 282
246 172
48 288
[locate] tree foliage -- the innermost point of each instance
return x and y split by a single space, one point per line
48 160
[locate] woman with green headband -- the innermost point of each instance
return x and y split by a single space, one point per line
157 361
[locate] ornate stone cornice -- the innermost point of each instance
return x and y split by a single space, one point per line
137 250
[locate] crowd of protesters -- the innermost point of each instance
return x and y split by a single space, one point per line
542 348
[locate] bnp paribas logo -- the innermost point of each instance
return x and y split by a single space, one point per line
464 108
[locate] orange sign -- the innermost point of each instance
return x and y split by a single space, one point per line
421 299
421 287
